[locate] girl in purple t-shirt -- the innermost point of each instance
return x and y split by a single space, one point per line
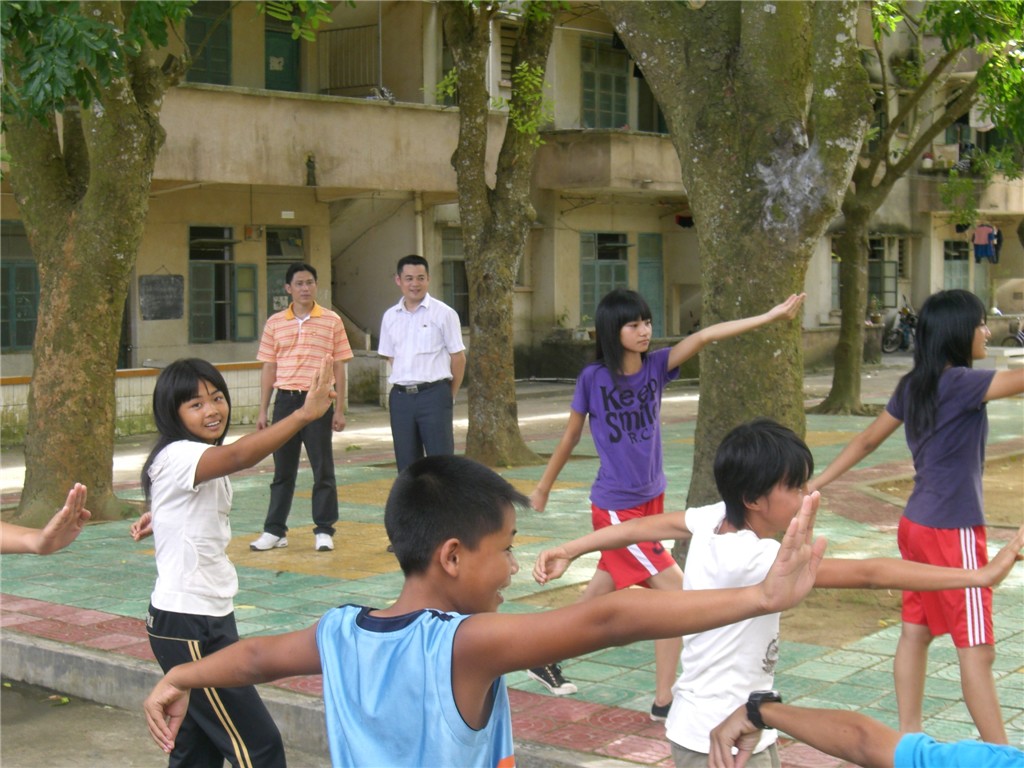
621 393
942 401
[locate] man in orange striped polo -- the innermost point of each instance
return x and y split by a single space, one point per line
293 342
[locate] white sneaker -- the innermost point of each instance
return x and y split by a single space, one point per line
268 541
324 542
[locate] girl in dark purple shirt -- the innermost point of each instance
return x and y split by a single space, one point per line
942 403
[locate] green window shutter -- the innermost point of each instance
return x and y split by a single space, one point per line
20 300
244 302
201 279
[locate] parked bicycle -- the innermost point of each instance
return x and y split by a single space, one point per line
901 334
1016 337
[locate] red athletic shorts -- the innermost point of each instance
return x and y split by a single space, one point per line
637 562
965 614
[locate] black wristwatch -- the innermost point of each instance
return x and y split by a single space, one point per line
757 698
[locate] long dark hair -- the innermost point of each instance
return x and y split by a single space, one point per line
944 338
617 308
178 383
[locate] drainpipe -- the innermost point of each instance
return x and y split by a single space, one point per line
418 208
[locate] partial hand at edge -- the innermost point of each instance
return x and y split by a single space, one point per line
165 709
320 394
551 564
1000 566
795 568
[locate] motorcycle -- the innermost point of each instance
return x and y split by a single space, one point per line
901 334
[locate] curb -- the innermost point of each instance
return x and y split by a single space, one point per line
124 682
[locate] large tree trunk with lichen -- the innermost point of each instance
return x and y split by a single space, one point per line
766 105
495 222
84 204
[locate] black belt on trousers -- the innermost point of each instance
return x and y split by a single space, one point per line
412 389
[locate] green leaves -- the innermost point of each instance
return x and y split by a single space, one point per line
56 53
305 16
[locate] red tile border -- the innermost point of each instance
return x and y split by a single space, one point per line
638 749
566 723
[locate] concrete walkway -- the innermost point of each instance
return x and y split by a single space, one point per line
73 621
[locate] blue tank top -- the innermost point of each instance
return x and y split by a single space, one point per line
388 693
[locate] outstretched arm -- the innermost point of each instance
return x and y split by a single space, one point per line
570 438
1005 384
491 644
894 573
695 342
552 563
863 444
223 460
248 662
61 530
847 735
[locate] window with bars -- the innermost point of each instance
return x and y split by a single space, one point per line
604 73
604 265
880 121
222 294
453 264
882 273
208 37
956 264
20 299
20 291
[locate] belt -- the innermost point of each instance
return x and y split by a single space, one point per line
292 392
412 389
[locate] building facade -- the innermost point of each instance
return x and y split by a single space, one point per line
338 152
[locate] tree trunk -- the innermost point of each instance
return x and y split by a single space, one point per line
766 105
84 206
852 249
495 222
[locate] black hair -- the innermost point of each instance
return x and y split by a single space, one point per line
944 338
177 384
617 308
444 497
755 457
412 259
298 267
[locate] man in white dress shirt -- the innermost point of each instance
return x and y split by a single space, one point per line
422 338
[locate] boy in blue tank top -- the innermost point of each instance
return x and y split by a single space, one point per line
421 681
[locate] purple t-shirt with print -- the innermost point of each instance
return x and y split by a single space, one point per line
948 461
625 423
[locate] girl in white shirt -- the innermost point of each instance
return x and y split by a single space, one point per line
191 612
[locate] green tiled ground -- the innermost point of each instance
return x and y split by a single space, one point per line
108 571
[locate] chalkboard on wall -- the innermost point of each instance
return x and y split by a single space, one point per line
162 297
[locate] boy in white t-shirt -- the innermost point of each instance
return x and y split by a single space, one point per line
761 470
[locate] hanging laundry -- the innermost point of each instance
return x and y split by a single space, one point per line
983 246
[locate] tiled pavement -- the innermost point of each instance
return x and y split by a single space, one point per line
89 599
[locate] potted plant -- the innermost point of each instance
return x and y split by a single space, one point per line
584 331
927 160
874 310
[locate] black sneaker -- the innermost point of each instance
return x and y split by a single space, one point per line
550 677
660 711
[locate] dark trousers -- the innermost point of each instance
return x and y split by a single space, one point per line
317 439
421 423
221 723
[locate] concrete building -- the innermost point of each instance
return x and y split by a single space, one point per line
337 152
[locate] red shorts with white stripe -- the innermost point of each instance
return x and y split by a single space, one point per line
965 614
638 562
